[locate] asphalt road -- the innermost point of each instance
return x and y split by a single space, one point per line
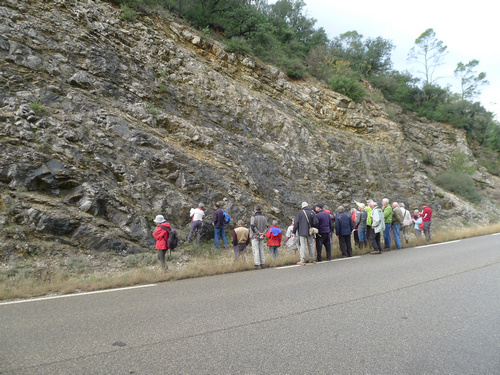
428 310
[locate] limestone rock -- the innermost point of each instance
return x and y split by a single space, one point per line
149 118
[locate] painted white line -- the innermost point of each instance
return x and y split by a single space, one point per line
318 263
340 259
437 244
77 294
496 234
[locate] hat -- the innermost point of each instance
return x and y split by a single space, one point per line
370 201
304 204
320 205
159 219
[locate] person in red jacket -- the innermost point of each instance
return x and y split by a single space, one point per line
426 219
161 237
274 236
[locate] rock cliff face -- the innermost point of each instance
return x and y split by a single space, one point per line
105 123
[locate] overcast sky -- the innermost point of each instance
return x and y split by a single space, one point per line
471 30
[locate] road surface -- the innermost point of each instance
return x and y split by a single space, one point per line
433 309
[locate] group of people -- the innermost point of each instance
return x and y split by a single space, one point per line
311 230
390 221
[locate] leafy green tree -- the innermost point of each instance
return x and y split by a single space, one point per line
430 53
470 80
429 100
292 13
261 6
349 47
349 85
398 87
367 57
318 62
378 54
242 21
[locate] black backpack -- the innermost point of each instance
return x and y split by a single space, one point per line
172 240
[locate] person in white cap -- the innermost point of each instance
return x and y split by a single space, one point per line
161 237
304 221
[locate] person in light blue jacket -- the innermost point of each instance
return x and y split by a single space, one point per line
417 220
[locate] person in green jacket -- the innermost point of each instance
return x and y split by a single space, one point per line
368 210
397 221
387 210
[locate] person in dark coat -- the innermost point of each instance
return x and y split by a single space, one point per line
344 227
305 220
325 228
218 223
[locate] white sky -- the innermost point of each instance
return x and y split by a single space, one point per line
471 30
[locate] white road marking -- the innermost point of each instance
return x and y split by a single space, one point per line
77 294
437 244
323 262
294 265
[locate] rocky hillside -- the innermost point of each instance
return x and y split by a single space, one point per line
105 123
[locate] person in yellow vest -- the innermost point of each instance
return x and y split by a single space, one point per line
368 221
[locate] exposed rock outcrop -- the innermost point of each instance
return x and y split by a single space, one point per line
106 123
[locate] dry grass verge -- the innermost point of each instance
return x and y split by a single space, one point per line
90 272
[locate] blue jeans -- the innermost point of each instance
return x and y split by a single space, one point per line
387 237
396 230
274 251
362 234
219 232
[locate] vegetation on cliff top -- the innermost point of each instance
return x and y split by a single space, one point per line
282 34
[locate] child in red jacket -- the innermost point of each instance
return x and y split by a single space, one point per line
274 239
161 236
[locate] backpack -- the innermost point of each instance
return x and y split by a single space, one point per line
406 218
226 217
173 239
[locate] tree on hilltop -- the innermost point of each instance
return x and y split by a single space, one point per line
469 81
367 57
429 52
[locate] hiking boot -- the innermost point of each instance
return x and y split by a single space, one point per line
376 252
302 262
311 261
262 266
